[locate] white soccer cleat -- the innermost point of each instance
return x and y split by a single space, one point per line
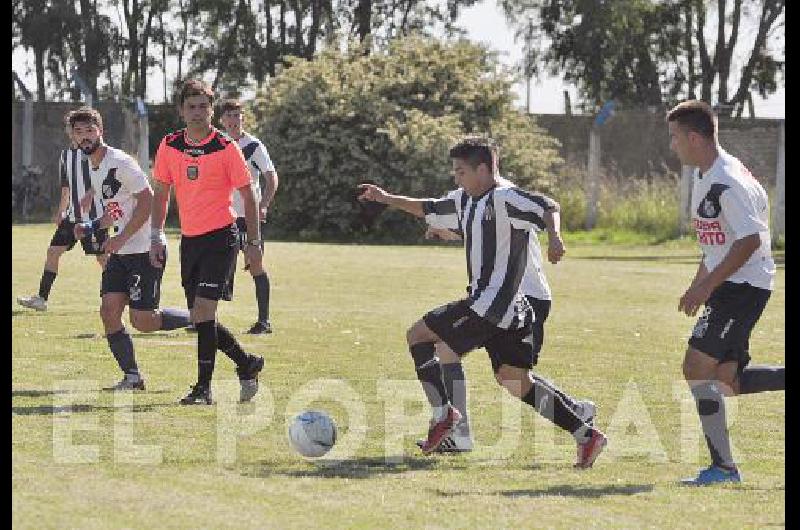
33 302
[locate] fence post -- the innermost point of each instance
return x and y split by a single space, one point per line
144 136
685 198
779 211
593 175
606 111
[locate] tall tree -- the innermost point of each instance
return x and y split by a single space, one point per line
646 52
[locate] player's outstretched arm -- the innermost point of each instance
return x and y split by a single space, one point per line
371 192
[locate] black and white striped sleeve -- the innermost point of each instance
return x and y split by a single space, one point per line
442 213
62 169
526 210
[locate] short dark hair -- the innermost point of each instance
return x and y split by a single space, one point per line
695 116
195 87
476 150
85 114
230 104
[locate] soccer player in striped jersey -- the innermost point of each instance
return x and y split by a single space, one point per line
205 165
734 280
75 182
496 221
259 164
129 279
536 289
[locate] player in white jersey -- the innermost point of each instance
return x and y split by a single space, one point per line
535 288
259 164
128 278
730 213
74 177
496 221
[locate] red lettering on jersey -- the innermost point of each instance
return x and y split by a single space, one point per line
113 209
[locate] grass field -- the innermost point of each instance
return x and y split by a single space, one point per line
88 459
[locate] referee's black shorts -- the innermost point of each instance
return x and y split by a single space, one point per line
207 263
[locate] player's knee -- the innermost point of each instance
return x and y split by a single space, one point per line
110 313
54 252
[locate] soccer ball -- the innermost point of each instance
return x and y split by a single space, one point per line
312 433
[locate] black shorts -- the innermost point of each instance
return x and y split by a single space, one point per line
64 236
463 330
133 275
207 264
731 312
541 309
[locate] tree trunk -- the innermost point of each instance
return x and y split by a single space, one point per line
706 67
770 12
692 79
38 59
229 47
270 46
298 35
141 87
313 31
363 16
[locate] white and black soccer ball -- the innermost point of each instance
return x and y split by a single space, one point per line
312 433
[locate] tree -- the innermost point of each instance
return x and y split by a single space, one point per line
389 116
647 52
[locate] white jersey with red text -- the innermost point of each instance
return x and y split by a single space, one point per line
728 203
117 179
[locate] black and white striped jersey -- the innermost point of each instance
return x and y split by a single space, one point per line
496 229
73 167
258 162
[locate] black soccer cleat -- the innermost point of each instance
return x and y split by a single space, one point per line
248 378
198 395
260 328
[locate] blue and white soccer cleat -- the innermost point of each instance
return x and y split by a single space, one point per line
713 475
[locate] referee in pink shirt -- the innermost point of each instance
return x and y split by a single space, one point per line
204 165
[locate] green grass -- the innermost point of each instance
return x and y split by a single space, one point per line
340 313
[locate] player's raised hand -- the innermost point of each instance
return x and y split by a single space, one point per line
371 192
555 249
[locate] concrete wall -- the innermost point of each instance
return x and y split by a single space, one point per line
49 139
636 144
633 144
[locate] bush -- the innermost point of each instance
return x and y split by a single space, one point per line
391 117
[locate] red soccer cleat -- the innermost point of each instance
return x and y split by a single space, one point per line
591 449
440 430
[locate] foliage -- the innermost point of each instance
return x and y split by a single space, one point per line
390 118
649 52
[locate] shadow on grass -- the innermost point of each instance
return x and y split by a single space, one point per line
356 468
674 259
562 491
58 391
49 410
